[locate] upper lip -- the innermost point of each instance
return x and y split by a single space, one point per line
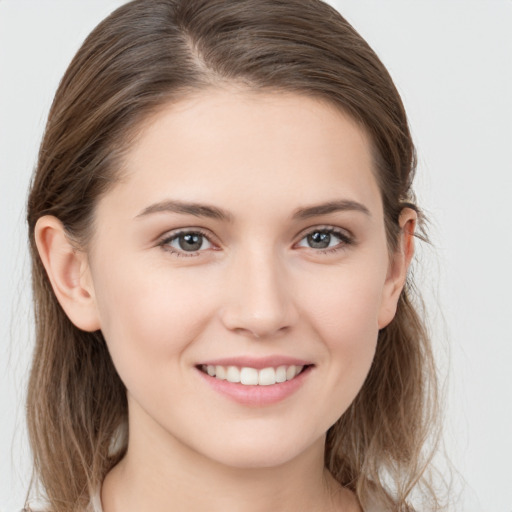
256 362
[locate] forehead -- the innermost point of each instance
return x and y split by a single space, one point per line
249 149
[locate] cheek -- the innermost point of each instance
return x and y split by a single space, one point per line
149 317
344 304
344 313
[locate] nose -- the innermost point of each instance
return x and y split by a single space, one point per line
260 300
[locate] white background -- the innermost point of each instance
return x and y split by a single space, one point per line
452 62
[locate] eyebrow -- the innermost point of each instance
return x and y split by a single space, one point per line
195 209
330 207
213 212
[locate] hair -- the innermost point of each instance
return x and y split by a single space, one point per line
147 54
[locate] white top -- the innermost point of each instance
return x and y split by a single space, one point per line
95 505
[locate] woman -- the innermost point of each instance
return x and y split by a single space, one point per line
221 223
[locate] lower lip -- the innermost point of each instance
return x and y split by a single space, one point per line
257 395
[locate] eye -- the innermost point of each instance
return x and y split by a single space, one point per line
325 238
186 243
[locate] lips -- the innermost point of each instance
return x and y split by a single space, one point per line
255 381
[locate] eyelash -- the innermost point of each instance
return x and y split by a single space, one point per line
345 240
164 243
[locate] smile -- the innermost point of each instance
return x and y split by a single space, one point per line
256 381
251 376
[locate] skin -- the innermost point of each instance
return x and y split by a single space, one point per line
255 287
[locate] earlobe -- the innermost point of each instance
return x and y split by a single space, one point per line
397 273
68 272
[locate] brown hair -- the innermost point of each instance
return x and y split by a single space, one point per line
147 54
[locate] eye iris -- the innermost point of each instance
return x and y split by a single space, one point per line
190 241
319 240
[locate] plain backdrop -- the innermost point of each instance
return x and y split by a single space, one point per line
452 63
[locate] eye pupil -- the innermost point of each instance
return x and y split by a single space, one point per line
319 240
190 241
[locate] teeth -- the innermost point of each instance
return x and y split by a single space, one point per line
266 377
281 374
220 372
291 371
233 374
251 376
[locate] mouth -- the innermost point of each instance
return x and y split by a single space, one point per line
249 376
256 382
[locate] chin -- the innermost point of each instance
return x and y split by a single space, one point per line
262 452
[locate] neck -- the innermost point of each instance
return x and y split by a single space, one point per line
162 474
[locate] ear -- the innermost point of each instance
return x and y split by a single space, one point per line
399 264
68 271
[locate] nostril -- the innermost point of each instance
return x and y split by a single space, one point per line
259 310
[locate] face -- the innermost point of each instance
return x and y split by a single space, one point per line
245 241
